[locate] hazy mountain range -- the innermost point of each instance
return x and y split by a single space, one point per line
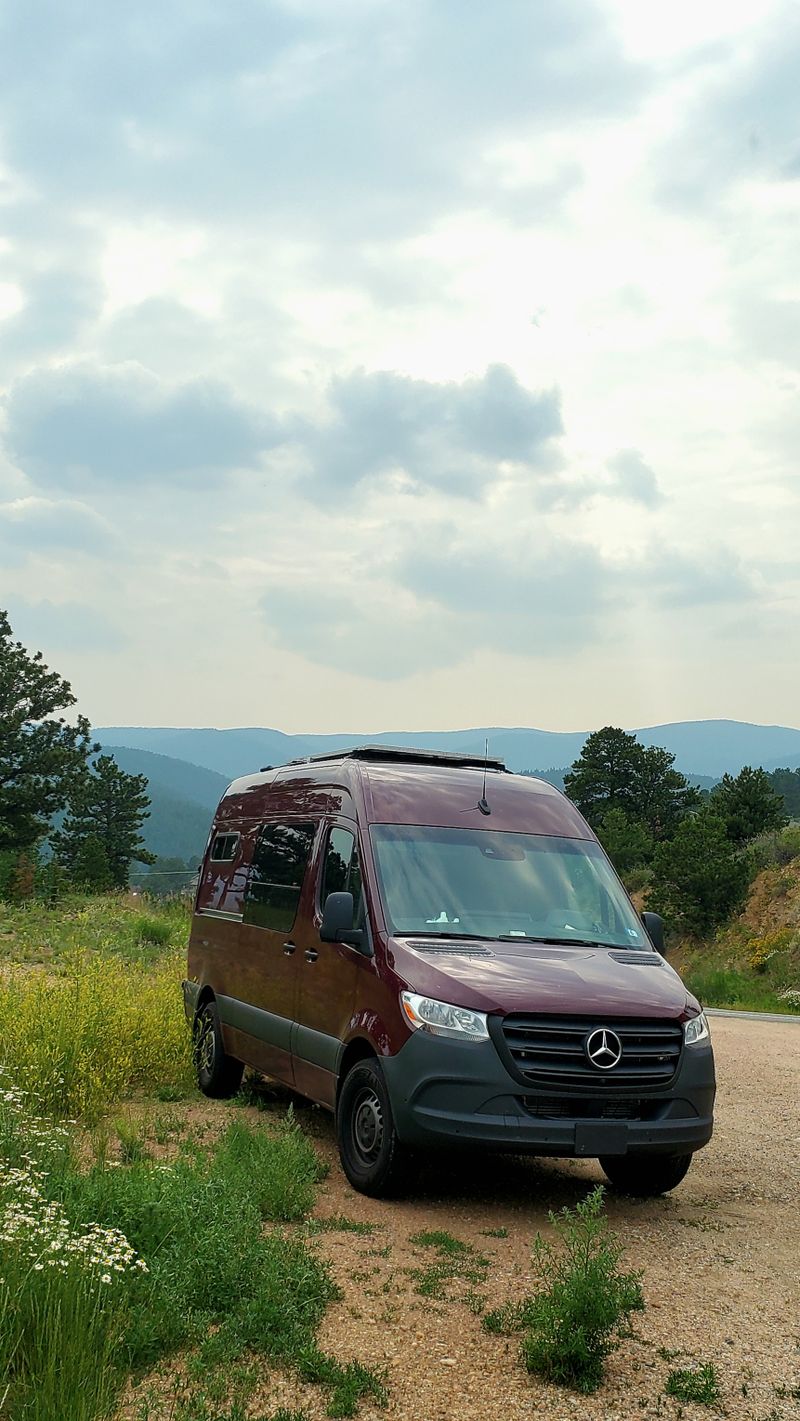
188 768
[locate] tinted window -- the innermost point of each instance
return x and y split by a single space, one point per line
341 873
276 875
223 849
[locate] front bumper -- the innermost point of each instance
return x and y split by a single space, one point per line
447 1093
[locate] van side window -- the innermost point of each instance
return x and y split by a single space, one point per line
223 848
341 872
276 875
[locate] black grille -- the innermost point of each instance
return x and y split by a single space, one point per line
551 1050
564 1107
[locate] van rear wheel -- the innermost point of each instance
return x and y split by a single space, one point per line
373 1158
645 1176
218 1076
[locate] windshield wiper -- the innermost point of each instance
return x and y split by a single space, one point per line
555 941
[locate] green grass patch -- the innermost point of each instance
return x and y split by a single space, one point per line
129 1262
736 990
694 1384
107 925
339 1223
455 1261
86 1037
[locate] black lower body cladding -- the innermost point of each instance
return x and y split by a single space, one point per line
446 1093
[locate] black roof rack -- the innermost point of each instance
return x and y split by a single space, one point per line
396 754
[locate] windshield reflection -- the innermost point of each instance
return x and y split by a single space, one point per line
492 884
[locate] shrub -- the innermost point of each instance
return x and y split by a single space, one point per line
699 879
761 949
155 932
577 1321
626 841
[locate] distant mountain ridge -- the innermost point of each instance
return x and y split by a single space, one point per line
705 747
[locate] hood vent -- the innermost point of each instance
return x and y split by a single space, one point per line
642 959
449 949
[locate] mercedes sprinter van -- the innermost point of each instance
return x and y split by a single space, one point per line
441 953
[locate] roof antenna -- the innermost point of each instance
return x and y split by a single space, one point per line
483 803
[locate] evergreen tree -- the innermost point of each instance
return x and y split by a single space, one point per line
748 804
615 772
663 794
91 870
699 879
626 842
41 756
606 774
786 783
109 807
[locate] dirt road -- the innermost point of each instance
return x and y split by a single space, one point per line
721 1261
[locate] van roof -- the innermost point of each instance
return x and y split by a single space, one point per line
397 754
399 786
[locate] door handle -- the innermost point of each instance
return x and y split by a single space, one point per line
288 949
311 954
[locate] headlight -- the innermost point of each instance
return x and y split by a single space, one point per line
441 1019
696 1030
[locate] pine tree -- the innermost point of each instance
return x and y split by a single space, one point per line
41 756
615 773
699 879
108 807
748 803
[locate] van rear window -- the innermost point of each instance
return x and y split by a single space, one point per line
224 847
279 864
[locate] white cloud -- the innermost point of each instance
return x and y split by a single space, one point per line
400 342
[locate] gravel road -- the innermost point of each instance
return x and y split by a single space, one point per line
720 1256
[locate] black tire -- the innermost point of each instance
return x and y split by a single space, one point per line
645 1176
372 1156
218 1075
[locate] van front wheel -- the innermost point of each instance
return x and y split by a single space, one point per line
372 1156
645 1176
218 1075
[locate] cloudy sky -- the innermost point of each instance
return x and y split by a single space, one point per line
377 366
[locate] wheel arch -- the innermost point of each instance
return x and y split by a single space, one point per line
357 1049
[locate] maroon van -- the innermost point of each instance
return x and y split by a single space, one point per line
441 953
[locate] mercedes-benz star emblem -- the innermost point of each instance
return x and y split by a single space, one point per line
604 1049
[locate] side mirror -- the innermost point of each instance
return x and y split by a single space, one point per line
654 924
337 922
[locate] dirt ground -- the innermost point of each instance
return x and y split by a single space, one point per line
720 1258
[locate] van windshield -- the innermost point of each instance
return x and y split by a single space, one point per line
489 884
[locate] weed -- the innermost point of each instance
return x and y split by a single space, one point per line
165 1125
694 1384
495 1233
456 1260
442 1241
131 1141
339 1223
347 1384
787 1392
151 932
476 1302
576 1322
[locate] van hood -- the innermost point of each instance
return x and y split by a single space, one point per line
538 977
